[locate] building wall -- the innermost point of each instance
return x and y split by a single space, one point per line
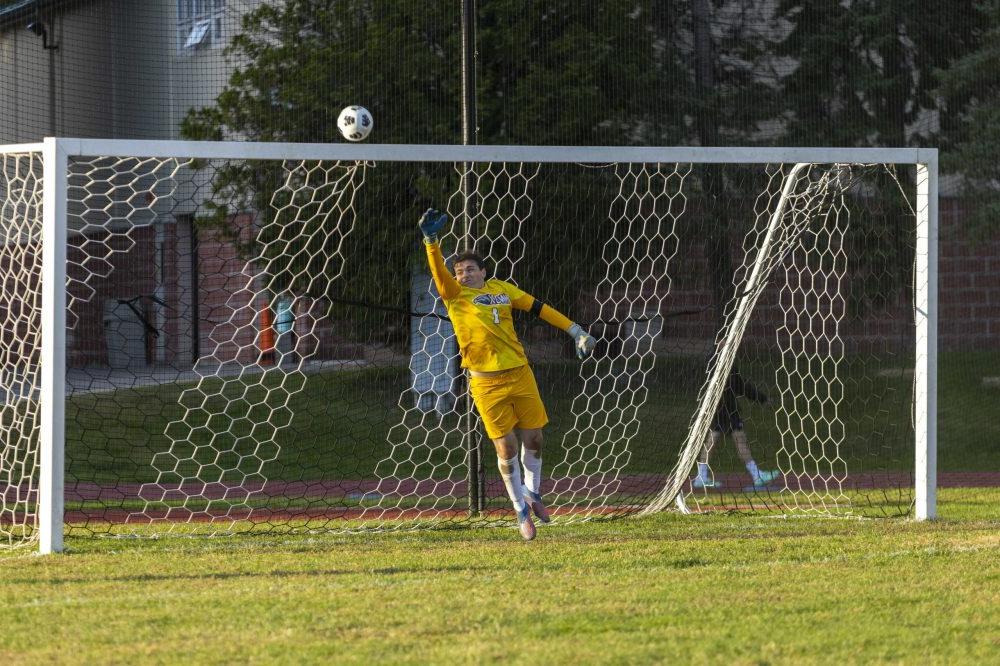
968 297
969 283
120 71
225 318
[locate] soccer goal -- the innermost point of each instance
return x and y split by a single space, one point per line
208 338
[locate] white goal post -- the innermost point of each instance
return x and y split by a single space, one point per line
87 183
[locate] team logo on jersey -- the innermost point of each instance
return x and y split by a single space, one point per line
491 299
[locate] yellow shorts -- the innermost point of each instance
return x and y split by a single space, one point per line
508 400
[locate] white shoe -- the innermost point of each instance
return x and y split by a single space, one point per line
766 477
701 482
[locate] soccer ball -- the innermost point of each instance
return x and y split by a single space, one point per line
355 123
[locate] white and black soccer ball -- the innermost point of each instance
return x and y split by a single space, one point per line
355 123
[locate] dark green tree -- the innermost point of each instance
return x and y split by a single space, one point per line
560 72
970 88
861 74
555 72
862 69
731 58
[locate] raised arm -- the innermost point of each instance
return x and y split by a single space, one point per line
446 284
431 222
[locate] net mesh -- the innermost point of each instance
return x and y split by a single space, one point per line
238 405
20 358
257 345
798 248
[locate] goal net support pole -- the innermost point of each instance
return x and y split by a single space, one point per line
926 316
52 398
725 356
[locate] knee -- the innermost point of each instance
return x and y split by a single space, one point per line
532 439
506 447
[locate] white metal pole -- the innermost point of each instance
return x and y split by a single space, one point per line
726 355
926 315
448 153
53 353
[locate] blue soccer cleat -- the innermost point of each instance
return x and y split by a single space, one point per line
534 500
525 524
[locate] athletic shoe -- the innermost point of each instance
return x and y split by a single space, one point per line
525 524
534 500
766 477
700 482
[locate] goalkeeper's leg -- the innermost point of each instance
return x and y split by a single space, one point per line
510 472
531 459
509 406
531 418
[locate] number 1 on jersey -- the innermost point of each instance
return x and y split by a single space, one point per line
496 316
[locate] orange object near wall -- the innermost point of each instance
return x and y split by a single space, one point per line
266 336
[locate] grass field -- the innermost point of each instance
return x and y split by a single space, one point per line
705 589
341 422
340 425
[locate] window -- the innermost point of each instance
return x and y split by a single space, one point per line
200 24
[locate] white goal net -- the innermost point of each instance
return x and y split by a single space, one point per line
251 340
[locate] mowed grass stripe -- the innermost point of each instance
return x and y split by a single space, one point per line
721 589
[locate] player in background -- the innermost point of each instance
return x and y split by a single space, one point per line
727 421
500 380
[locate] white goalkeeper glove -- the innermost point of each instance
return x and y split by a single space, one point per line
583 341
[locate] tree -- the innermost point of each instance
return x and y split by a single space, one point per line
556 72
734 91
970 88
862 75
297 64
561 72
862 68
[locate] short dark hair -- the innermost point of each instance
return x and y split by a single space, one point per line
470 255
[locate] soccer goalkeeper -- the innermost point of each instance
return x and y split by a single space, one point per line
500 379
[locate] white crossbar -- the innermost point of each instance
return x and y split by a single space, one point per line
450 153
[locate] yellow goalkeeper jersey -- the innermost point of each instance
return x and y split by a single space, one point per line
483 319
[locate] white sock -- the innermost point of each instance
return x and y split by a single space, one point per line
703 471
532 470
510 472
752 468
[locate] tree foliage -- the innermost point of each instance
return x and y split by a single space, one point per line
863 68
557 72
862 74
619 72
970 88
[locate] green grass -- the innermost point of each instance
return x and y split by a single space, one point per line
663 589
968 430
341 421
